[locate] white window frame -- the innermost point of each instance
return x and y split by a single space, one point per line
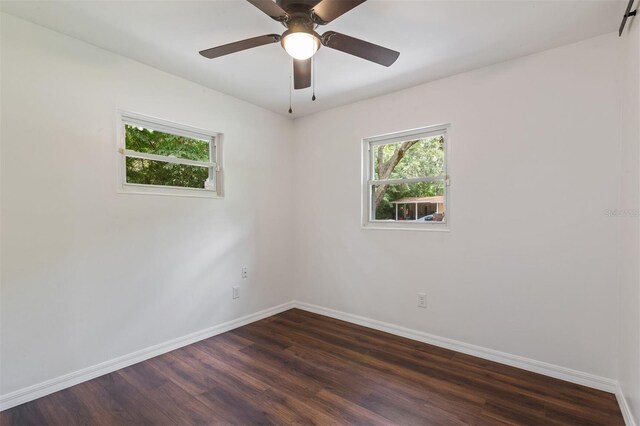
213 187
368 178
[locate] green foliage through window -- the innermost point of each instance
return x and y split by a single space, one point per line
422 157
151 172
405 160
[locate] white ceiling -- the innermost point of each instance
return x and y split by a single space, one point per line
435 38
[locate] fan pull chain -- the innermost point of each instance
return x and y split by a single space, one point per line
290 82
313 78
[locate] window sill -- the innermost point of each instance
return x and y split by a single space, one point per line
170 191
407 227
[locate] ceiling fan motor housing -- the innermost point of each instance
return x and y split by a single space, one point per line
300 22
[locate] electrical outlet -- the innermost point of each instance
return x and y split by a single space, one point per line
245 272
236 292
422 300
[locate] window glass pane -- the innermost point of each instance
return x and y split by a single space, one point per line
153 142
150 172
409 159
422 201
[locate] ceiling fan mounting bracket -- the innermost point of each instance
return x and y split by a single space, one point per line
326 37
317 19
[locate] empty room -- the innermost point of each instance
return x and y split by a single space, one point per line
319 212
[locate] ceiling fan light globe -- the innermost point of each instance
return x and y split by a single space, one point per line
300 45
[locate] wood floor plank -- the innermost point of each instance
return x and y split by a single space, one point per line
25 414
171 399
65 407
288 409
382 368
301 368
366 334
538 386
346 411
287 381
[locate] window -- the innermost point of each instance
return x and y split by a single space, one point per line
405 181
159 157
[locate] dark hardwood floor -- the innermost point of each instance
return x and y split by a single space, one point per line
302 368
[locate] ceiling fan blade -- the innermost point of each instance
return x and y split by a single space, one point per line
328 10
238 46
270 8
360 48
301 73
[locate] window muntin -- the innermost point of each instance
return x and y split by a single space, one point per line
168 159
405 179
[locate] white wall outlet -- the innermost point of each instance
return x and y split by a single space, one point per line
245 272
236 292
422 300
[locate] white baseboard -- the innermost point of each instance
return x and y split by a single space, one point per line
56 384
551 370
624 407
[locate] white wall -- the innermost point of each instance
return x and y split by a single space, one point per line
89 274
530 265
629 349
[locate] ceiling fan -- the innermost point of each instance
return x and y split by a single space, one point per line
301 18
